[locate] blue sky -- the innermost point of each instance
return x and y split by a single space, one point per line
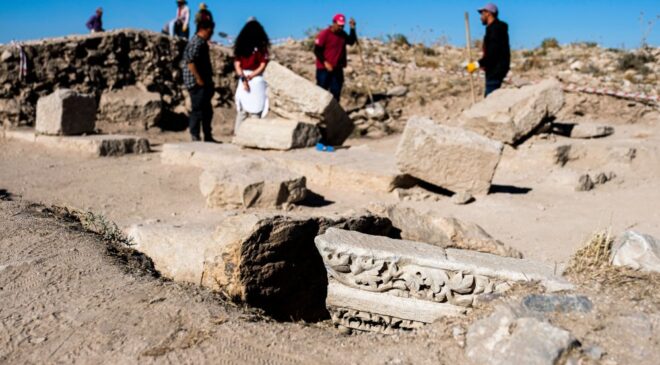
608 22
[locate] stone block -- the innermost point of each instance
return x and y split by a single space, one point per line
452 158
507 337
405 269
270 261
432 227
296 98
131 105
591 130
276 134
66 112
637 251
510 115
97 144
253 185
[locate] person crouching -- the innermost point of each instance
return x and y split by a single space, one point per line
251 58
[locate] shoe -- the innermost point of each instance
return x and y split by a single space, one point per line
195 138
211 140
323 148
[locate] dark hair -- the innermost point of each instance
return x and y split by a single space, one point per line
205 24
251 36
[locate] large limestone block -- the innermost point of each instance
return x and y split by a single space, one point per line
509 337
253 185
100 145
294 97
131 105
449 157
407 269
509 115
270 261
276 134
430 226
66 112
637 251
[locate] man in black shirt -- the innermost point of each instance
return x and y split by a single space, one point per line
198 79
496 58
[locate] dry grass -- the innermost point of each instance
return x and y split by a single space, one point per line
594 256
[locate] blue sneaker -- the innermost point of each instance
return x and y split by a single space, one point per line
323 148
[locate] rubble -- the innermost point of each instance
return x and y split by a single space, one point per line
132 106
637 251
510 115
591 130
449 157
389 268
253 185
294 97
430 226
509 337
66 112
276 134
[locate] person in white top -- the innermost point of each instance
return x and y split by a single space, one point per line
179 26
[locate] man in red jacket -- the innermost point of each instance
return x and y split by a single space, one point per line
330 51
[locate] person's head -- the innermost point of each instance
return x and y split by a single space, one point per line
181 3
205 29
338 23
202 6
251 36
99 11
488 13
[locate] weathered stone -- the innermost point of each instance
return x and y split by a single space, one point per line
452 158
252 185
585 183
276 134
509 115
462 198
637 251
406 269
557 303
294 97
66 112
270 261
430 226
591 130
96 144
6 56
132 106
506 337
9 111
397 91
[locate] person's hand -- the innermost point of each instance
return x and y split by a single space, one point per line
352 23
246 85
200 82
472 66
185 28
328 66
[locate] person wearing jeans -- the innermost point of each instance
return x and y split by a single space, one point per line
198 79
330 52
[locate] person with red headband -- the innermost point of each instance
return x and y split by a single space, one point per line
330 52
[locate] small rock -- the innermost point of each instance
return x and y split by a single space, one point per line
585 183
602 178
637 251
376 111
557 303
462 198
593 352
6 56
397 91
591 130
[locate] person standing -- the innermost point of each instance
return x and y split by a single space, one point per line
95 23
251 51
496 58
179 25
331 58
198 79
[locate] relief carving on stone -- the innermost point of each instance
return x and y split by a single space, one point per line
395 277
365 321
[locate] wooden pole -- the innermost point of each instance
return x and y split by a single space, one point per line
364 66
468 46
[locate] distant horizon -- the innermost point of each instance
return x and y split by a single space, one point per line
609 23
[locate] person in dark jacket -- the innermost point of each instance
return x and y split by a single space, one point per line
330 51
95 23
496 58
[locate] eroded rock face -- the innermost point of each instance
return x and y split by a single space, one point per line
452 158
132 106
508 337
276 134
252 185
294 97
637 251
510 115
380 270
66 112
270 261
426 225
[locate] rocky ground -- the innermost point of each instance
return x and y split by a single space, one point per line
541 204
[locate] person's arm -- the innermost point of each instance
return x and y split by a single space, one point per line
260 70
352 36
241 75
90 23
186 18
319 50
198 77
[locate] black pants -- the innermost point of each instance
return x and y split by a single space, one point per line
202 111
331 81
492 85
